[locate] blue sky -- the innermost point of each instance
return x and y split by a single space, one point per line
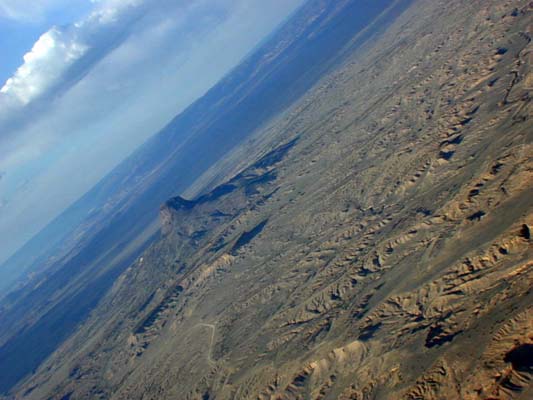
84 82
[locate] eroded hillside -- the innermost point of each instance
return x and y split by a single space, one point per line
378 246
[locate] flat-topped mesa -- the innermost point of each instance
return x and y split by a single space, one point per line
189 218
179 202
167 210
192 218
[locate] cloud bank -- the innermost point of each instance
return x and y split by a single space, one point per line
51 55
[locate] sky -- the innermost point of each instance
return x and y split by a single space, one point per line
85 82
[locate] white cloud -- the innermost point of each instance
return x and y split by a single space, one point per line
57 49
50 56
33 11
107 11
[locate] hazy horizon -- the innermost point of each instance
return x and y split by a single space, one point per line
104 77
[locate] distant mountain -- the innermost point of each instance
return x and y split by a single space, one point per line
75 260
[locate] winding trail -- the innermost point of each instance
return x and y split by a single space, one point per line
212 341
